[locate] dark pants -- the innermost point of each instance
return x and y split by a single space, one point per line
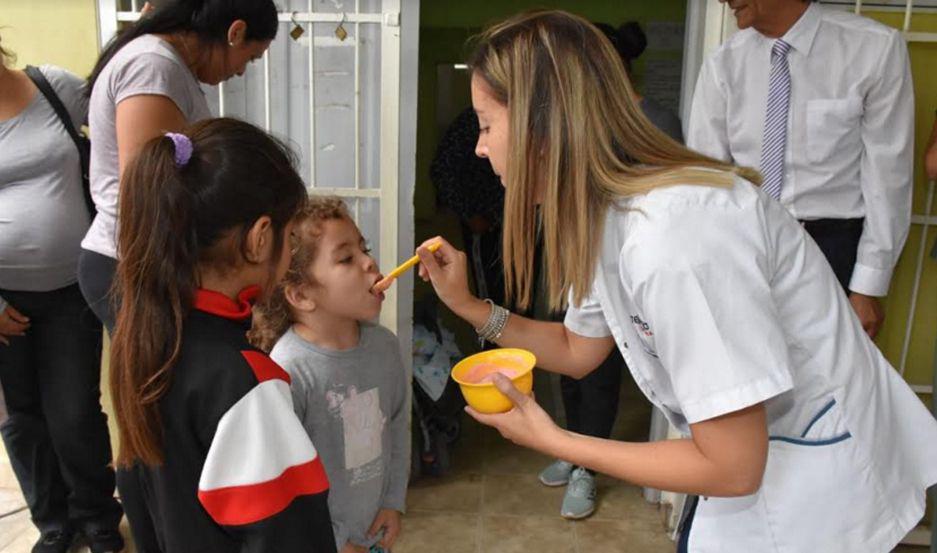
56 433
683 542
591 403
96 275
839 241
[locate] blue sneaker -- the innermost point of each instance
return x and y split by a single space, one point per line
579 501
557 474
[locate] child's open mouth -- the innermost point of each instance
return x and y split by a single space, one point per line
374 291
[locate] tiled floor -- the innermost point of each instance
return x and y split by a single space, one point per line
491 502
17 534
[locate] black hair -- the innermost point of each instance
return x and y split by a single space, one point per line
629 41
209 20
174 220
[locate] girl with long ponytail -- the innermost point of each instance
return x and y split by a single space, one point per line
211 456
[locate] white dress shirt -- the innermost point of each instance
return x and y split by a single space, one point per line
718 300
850 136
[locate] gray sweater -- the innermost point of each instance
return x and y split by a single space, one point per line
355 406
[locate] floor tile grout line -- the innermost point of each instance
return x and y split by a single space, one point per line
15 511
23 530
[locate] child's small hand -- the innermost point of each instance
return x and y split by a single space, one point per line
352 548
389 520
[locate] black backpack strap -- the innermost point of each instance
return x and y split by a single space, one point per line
36 76
43 85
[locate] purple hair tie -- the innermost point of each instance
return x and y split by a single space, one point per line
183 147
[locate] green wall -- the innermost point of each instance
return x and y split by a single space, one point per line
58 32
921 355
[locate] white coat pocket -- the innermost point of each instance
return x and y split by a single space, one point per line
818 494
820 491
832 126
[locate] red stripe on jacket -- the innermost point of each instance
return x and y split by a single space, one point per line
240 505
265 368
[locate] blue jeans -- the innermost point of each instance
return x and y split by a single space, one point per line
56 433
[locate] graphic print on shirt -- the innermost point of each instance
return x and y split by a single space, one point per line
643 331
363 429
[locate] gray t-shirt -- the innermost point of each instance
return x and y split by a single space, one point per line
354 405
42 209
146 65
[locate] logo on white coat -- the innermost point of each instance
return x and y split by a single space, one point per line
643 330
641 326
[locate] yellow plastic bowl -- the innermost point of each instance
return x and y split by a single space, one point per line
484 397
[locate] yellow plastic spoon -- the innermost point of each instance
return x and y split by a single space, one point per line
385 282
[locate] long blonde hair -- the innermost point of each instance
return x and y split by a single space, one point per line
576 134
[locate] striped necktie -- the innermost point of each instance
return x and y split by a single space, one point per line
775 134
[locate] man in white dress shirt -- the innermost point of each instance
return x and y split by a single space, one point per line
821 102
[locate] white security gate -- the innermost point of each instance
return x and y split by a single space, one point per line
334 94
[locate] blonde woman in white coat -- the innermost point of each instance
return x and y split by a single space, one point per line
800 437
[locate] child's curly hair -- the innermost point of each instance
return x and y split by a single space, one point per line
273 317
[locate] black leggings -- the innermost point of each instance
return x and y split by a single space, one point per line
95 276
591 403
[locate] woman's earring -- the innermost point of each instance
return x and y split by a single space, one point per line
231 43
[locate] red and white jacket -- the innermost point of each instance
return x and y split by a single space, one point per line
240 473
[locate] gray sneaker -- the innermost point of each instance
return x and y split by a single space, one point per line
557 474
579 501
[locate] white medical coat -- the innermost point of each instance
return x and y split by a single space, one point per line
719 300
